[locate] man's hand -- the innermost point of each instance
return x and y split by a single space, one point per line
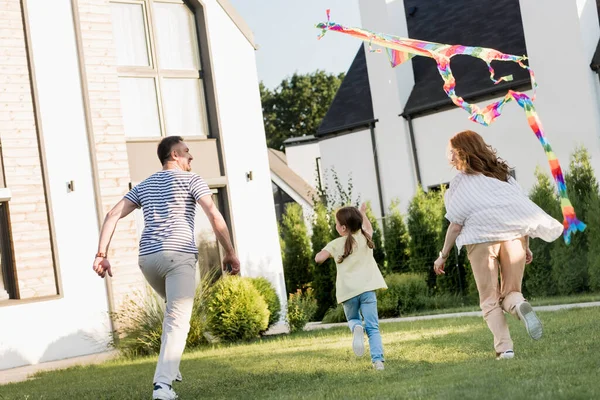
102 267
528 256
438 266
233 261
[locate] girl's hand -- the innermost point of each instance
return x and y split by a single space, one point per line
528 256
438 266
363 208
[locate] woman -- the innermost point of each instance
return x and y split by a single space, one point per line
493 218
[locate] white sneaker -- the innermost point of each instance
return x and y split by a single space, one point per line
163 392
179 378
531 321
507 355
378 365
358 340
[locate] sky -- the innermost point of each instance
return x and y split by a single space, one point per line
287 39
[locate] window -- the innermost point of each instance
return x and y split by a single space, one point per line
158 63
7 274
281 200
437 188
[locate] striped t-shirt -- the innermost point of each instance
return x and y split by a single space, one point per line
491 210
168 199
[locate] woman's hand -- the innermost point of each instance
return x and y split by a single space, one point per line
438 266
528 256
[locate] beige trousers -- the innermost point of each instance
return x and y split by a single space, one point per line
173 276
487 259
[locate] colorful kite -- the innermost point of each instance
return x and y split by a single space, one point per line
400 50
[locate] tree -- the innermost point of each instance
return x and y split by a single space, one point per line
324 274
538 279
297 106
570 263
396 240
593 232
454 279
424 224
296 252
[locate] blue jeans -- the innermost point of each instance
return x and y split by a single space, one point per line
366 303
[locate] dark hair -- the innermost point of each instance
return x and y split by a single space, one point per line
166 146
352 219
474 156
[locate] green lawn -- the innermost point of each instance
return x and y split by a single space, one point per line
439 359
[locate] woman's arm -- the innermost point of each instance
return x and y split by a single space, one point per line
451 234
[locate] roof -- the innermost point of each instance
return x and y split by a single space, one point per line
595 65
278 165
238 21
460 22
300 140
352 106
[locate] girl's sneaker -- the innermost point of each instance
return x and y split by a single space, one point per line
507 355
378 365
530 319
163 392
358 340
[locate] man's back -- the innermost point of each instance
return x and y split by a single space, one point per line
168 199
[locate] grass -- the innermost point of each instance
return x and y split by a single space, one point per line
434 359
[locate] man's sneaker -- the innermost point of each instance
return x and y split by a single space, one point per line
531 321
358 340
179 378
378 365
507 355
163 392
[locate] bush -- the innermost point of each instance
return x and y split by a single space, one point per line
236 310
301 309
454 279
334 315
424 224
296 251
594 243
396 241
267 291
324 274
139 321
538 278
404 294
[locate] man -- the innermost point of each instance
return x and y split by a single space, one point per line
168 252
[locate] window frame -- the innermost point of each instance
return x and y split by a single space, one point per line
158 74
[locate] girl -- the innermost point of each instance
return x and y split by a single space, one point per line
493 218
357 278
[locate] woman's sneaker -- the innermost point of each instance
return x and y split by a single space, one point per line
531 321
163 392
507 355
358 340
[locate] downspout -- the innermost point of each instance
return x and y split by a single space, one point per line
377 176
411 133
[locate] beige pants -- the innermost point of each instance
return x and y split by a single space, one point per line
173 276
486 259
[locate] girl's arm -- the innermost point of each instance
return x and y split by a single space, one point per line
322 256
367 227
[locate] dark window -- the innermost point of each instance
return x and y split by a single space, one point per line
281 200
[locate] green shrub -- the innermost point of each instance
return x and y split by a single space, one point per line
593 221
236 310
334 315
396 240
266 289
324 274
404 294
378 250
296 250
454 279
301 309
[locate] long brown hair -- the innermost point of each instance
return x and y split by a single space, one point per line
352 219
474 156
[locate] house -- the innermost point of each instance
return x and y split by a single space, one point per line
389 127
87 89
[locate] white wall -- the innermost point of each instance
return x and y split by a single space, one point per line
351 156
390 88
245 149
77 323
302 159
567 99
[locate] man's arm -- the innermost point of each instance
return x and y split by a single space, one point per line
220 228
121 210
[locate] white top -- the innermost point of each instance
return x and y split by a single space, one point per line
491 210
168 199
